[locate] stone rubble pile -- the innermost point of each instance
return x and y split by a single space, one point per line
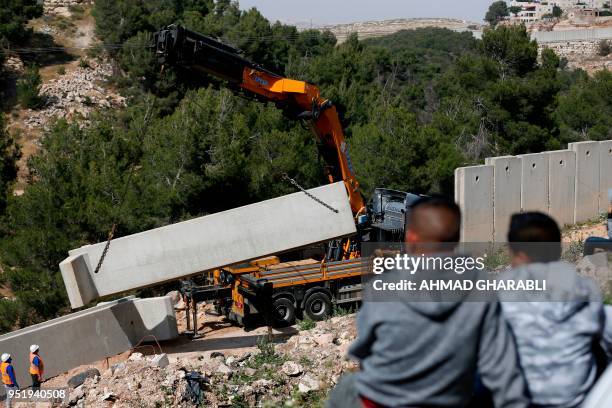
74 94
13 66
570 49
61 6
292 373
580 54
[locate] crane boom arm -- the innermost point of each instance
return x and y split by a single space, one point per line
185 49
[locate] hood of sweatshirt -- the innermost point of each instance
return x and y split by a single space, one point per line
433 304
565 288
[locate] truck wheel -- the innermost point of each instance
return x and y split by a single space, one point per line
283 312
318 306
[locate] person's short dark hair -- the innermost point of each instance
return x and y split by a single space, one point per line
535 234
452 233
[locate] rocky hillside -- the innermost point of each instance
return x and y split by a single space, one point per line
74 94
582 54
74 80
297 372
369 29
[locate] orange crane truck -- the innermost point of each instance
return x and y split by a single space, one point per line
280 291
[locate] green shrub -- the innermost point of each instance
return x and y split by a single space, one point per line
76 10
266 355
9 314
28 89
61 70
306 324
94 51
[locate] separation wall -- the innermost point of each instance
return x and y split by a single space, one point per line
561 186
570 185
534 182
587 180
89 335
572 35
477 181
605 173
506 192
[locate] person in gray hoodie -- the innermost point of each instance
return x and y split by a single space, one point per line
559 333
428 353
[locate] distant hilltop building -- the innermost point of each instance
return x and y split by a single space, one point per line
531 11
591 4
538 10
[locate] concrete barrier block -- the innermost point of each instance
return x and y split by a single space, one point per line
474 194
90 335
187 248
587 180
605 173
506 193
561 185
534 182
77 279
157 317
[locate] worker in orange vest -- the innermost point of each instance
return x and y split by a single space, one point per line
8 377
36 366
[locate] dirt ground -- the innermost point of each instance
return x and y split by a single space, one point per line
582 232
215 335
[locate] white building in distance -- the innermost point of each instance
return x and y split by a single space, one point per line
531 11
535 10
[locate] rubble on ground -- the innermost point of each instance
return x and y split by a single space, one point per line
13 65
62 7
296 372
75 94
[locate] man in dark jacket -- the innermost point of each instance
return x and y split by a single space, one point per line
427 353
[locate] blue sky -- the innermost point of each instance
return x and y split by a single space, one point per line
344 11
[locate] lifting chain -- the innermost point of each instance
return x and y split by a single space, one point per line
111 234
303 190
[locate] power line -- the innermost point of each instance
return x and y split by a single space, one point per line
305 35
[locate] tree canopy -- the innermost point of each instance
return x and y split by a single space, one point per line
14 14
496 12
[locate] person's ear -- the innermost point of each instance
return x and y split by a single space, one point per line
411 236
520 258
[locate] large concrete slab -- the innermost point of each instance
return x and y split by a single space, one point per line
605 173
561 185
534 182
506 193
205 243
587 180
90 335
474 194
